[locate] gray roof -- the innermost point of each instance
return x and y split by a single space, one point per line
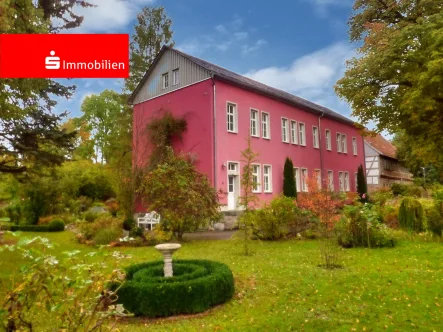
249 84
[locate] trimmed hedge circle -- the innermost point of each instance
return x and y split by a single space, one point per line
196 286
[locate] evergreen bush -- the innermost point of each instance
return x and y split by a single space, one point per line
56 225
289 185
411 215
106 236
362 187
196 286
32 228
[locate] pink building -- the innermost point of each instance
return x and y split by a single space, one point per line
223 109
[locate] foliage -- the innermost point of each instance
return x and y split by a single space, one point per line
106 116
271 222
31 136
106 236
410 215
395 81
112 206
42 290
34 228
248 199
433 213
14 212
322 202
161 131
196 286
90 216
40 195
362 187
180 194
401 189
381 196
152 31
128 223
157 235
289 185
56 225
361 226
88 231
136 231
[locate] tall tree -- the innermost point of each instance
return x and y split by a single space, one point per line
362 187
289 185
30 134
396 79
62 14
108 120
152 31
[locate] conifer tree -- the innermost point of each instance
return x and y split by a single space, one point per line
289 185
362 187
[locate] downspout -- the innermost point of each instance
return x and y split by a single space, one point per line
321 147
214 129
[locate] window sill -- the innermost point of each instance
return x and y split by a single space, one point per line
232 132
316 147
303 145
255 136
285 142
268 138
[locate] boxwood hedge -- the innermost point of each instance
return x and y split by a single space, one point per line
54 226
196 286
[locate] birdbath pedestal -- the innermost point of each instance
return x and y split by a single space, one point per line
167 250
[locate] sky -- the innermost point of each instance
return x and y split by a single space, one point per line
299 46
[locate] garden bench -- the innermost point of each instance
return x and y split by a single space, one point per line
148 220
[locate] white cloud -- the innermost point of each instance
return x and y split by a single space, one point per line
311 76
109 15
321 6
246 49
221 28
241 35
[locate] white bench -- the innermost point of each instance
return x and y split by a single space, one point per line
148 220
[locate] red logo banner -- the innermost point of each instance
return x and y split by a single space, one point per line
64 56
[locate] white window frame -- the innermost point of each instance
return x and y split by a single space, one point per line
165 80
297 178
315 137
338 141
255 121
344 142
303 177
346 181
302 134
266 123
176 77
317 174
285 130
354 146
269 178
341 181
331 180
234 118
257 175
328 140
294 132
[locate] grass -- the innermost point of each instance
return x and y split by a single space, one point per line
281 288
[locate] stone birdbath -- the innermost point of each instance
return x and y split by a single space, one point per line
167 250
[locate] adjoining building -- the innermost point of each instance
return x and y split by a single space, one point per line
382 166
223 109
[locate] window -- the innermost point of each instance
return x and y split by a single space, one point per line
267 178
232 167
175 77
297 178
294 137
341 180
266 133
165 80
338 142
231 120
284 130
344 143
331 180
354 145
317 175
254 123
347 187
256 178
304 178
302 134
328 140
315 138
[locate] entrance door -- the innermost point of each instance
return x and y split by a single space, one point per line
231 192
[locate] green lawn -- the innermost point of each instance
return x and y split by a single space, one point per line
281 288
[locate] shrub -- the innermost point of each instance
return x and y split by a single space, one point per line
128 224
14 212
157 235
112 206
410 215
381 196
90 216
361 226
88 231
106 236
136 231
433 210
33 228
271 222
56 225
362 187
196 286
289 185
40 198
401 189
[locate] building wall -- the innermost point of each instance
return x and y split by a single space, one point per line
274 151
189 73
195 104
